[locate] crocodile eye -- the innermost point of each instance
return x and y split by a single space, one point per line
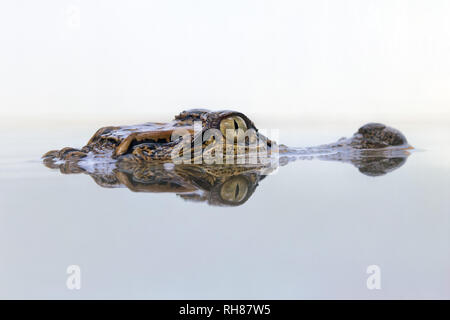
234 190
232 123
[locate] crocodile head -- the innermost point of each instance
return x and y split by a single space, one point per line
192 135
141 157
201 134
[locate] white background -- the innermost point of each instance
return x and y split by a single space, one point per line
368 60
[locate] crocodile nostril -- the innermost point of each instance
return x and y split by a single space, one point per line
376 136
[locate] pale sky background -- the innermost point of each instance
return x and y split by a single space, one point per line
326 59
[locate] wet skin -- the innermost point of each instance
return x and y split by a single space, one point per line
141 157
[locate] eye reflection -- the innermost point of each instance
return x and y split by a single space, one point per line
234 190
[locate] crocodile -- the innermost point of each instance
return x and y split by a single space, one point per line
147 157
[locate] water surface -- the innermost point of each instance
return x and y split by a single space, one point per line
308 231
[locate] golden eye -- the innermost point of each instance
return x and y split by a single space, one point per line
234 190
233 123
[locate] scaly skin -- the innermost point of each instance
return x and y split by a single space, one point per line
150 141
140 157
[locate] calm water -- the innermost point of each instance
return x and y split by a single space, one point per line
308 231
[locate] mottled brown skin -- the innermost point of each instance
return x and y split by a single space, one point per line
377 136
156 145
149 145
141 155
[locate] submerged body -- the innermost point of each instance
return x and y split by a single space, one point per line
142 157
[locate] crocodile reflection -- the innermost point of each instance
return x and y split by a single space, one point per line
218 185
140 157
